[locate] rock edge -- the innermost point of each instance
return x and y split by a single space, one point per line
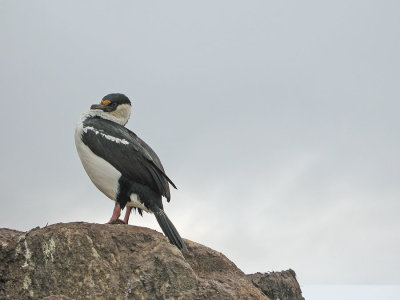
100 261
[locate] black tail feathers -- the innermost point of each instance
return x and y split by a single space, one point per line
169 229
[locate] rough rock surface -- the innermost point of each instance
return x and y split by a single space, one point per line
95 261
278 285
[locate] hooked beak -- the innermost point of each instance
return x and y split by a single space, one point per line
105 108
98 106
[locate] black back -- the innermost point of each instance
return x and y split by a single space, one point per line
136 161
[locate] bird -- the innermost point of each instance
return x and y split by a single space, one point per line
121 165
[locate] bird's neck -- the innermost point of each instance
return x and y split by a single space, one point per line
107 116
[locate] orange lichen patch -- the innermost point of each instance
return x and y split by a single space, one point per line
105 102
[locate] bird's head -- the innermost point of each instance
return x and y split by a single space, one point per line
115 107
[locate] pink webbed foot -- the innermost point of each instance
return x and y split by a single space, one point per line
115 216
116 221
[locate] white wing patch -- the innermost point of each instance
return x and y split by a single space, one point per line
135 202
108 137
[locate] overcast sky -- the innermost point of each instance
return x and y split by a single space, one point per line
277 120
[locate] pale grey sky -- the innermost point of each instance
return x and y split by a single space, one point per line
277 120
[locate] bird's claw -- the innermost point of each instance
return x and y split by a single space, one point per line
116 221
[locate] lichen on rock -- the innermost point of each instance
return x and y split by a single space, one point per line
101 261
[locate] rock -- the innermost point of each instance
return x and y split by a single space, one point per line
95 261
56 297
278 285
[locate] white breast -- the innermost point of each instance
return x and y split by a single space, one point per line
104 176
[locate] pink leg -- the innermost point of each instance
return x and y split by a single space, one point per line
115 216
127 214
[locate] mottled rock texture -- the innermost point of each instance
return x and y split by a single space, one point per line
95 261
278 285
